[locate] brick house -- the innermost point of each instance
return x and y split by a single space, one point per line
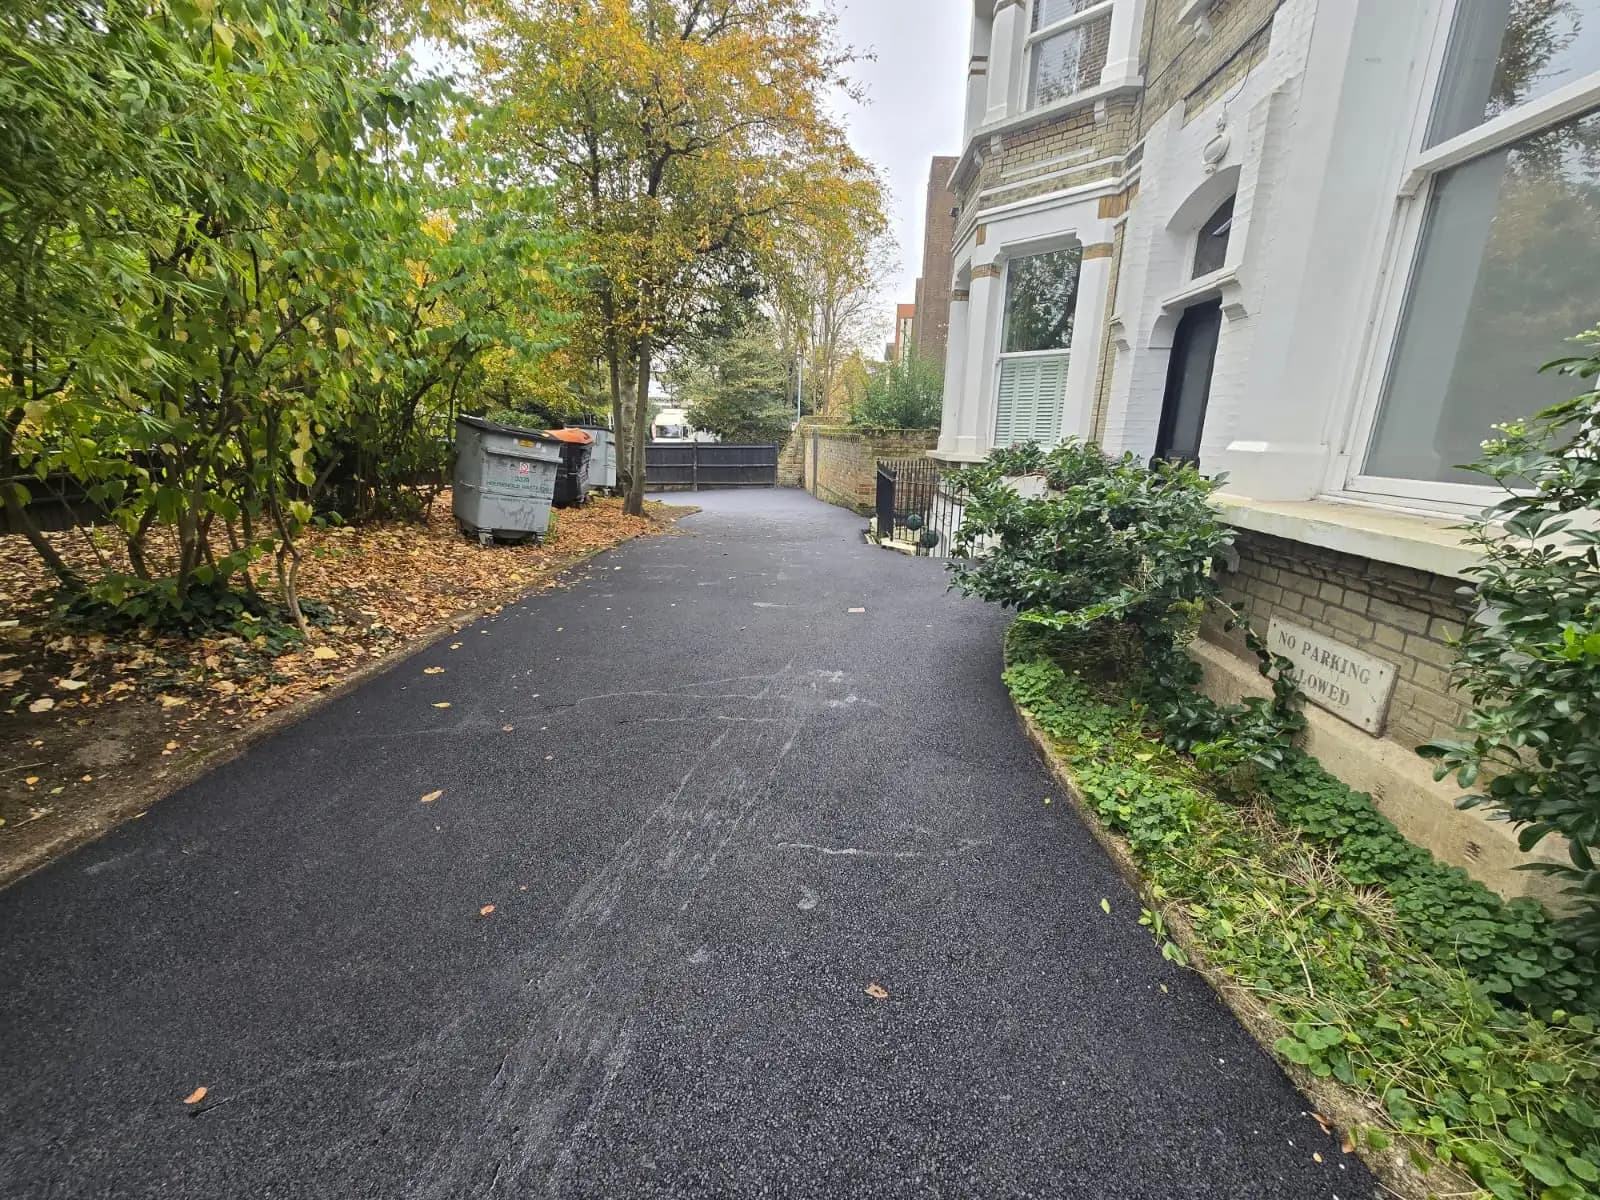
1317 245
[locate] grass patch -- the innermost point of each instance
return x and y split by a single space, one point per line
1458 1019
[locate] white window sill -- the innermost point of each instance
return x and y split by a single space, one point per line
1191 11
1430 544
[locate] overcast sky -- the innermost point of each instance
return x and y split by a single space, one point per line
917 89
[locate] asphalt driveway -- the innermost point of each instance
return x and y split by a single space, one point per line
710 803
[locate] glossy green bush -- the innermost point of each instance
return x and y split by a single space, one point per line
1113 547
1531 745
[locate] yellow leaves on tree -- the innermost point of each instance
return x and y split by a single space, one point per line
685 138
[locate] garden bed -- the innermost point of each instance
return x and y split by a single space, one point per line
1447 1033
96 724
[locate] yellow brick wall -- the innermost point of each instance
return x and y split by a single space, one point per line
1087 135
1183 68
840 464
1404 616
1108 351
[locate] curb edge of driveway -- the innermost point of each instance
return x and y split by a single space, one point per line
1344 1108
93 827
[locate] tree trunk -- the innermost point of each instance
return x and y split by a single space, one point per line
16 508
22 521
620 426
633 504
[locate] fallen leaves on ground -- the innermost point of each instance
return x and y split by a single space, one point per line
877 992
433 670
66 691
432 796
196 1096
486 910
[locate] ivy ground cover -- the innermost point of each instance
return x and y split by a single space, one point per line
1461 1028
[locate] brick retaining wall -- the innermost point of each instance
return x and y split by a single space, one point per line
839 463
1401 615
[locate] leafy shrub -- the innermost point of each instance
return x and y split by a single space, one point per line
1532 664
908 394
254 265
1112 543
1235 742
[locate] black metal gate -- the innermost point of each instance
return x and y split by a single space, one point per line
697 465
913 507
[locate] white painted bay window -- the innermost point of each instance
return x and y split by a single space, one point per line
1041 299
1502 242
1068 42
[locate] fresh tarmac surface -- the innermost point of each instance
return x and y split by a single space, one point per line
728 804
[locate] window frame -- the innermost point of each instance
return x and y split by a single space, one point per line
1419 175
1063 353
1031 44
1004 292
1231 202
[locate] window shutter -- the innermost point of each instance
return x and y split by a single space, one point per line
1005 405
1029 400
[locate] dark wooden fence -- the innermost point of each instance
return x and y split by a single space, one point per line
697 465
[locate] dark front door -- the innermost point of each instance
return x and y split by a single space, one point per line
1194 353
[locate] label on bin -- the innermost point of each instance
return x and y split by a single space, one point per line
525 442
519 477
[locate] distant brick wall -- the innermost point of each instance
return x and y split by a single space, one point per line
841 464
1400 615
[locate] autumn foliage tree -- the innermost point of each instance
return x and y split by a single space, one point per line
827 286
681 136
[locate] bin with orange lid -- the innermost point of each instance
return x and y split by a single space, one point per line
572 481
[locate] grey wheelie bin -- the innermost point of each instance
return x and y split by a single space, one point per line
505 480
602 458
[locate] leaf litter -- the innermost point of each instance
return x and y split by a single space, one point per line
159 698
